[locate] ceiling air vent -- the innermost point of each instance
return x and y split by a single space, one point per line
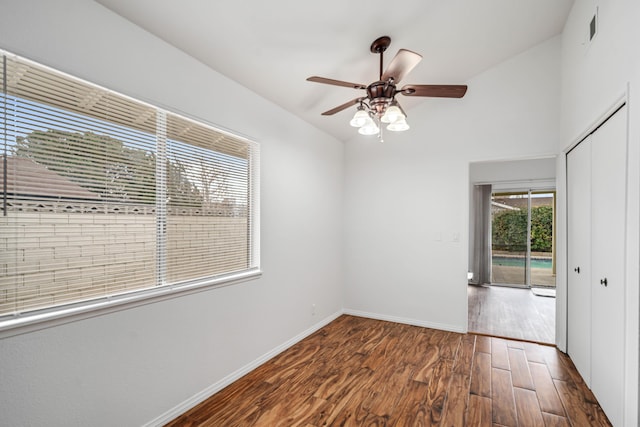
593 26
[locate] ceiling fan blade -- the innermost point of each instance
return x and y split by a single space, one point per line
342 107
336 82
401 64
437 91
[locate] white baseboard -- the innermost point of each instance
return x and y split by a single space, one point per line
405 320
234 376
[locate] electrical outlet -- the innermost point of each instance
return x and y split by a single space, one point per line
313 309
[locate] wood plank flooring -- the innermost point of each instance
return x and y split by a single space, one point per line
363 372
511 312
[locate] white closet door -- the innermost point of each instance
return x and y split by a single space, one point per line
608 172
579 258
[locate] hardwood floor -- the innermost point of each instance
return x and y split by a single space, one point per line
511 312
363 372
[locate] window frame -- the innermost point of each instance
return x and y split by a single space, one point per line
40 318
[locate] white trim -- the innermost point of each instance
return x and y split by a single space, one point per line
514 159
615 106
522 185
406 321
630 351
562 296
181 408
18 322
29 322
201 396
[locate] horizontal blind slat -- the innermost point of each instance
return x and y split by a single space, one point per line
81 220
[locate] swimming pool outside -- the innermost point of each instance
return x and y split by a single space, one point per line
508 269
518 261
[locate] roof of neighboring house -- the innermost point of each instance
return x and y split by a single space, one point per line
26 177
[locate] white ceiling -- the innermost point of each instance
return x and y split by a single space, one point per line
271 47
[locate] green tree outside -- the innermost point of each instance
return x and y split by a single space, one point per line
542 229
107 167
509 230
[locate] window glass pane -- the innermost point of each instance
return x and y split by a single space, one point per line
543 266
509 213
79 194
104 195
207 224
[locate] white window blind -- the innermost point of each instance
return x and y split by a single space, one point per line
103 195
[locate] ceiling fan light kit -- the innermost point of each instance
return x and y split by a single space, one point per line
369 128
359 118
398 126
380 106
392 114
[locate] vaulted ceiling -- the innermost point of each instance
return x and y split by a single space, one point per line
271 47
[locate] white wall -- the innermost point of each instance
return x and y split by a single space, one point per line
407 199
131 366
594 76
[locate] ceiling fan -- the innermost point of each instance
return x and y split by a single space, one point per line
379 105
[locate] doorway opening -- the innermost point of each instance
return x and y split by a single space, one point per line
522 240
512 254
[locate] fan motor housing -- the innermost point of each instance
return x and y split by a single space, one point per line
381 94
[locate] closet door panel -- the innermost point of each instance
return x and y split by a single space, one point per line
579 258
608 214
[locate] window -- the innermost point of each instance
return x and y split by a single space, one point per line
106 198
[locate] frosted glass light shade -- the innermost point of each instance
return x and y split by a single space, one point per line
398 126
359 119
392 114
370 128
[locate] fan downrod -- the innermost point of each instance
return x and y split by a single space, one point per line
379 45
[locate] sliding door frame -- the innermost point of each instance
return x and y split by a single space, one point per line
529 191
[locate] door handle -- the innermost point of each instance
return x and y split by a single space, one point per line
577 270
604 281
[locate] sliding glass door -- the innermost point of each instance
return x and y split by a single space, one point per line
509 231
542 253
522 243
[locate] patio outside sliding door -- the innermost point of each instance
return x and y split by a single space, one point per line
509 232
522 239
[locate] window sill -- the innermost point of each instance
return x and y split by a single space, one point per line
29 322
